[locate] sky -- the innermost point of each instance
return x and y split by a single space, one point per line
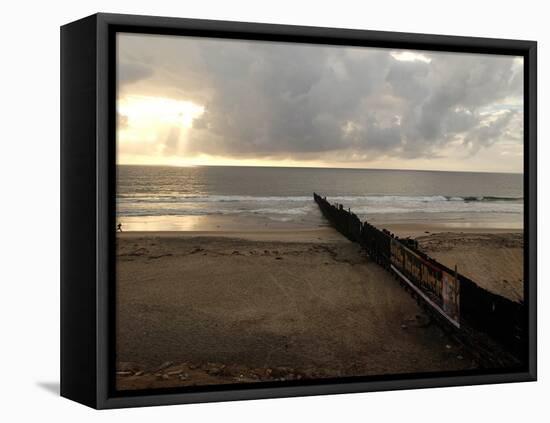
186 101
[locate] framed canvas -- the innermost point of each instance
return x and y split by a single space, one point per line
257 211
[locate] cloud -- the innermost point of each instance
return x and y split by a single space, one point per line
300 101
122 120
487 133
171 142
132 72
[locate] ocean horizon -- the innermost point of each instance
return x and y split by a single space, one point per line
284 195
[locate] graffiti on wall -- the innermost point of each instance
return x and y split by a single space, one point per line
438 285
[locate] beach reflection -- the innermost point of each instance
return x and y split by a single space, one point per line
164 223
210 223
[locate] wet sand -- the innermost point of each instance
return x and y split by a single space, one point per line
415 223
208 308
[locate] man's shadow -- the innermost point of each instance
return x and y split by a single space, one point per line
51 387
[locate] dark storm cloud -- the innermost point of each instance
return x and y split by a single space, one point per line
132 72
281 100
287 101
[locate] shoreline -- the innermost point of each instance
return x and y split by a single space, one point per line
323 234
411 224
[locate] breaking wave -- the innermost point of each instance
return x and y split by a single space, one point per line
159 204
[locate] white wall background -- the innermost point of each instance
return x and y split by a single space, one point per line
29 169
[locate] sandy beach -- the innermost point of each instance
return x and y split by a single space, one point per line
492 257
197 308
493 260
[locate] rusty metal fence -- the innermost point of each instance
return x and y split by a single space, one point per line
474 313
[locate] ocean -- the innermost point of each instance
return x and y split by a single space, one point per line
157 197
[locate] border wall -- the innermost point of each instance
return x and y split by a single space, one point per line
491 324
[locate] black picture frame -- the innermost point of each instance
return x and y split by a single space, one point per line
88 125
